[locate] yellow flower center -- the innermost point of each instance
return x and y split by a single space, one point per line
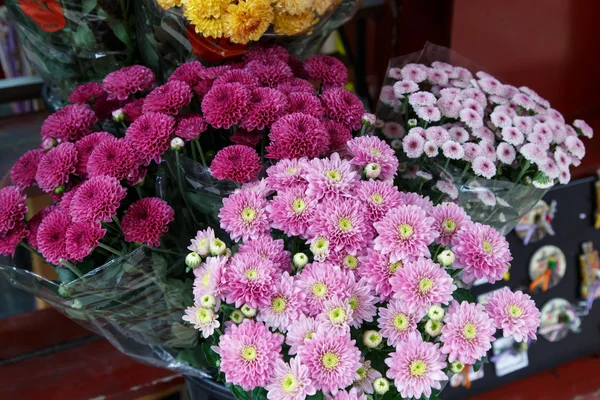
362 373
203 315
345 224
405 231
248 214
337 315
470 331
377 198
393 267
334 175
298 205
291 170
330 360
350 262
321 243
515 311
319 289
206 279
353 302
203 242
249 353
401 322
487 246
278 304
309 335
290 383
374 151
418 368
425 285
448 226
251 274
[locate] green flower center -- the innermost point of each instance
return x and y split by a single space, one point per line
345 224
425 285
321 243
249 353
350 262
334 175
515 311
309 335
298 205
470 331
330 360
206 279
374 151
319 289
203 315
248 214
377 198
487 246
278 304
405 231
374 338
401 322
353 302
251 274
418 368
337 315
292 170
393 267
362 373
290 383
448 226
203 242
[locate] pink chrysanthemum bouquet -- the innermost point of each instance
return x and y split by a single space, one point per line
493 148
340 286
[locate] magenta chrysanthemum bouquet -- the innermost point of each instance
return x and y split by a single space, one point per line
339 286
493 148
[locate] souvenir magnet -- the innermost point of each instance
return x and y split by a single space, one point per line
509 355
466 376
558 317
537 223
590 274
546 268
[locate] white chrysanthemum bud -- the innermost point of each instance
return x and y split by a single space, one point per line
63 290
381 385
177 143
368 119
435 313
237 316
208 301
48 143
433 328
412 123
446 258
320 247
372 339
396 144
217 247
300 260
456 367
118 115
373 170
248 311
193 260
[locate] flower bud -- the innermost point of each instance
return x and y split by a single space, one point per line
350 262
446 258
412 123
435 313
208 301
372 339
396 144
63 290
193 260
320 248
300 260
77 304
381 385
217 247
118 115
372 170
456 367
433 328
248 311
48 143
379 123
59 189
237 316
177 143
368 119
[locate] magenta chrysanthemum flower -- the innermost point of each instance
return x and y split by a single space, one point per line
70 123
266 106
467 333
305 103
396 322
250 279
339 135
56 166
236 163
150 135
210 278
133 109
23 172
112 157
12 208
34 223
296 85
513 312
169 98
124 82
361 301
378 196
449 219
248 354
270 72
332 360
299 331
97 199
330 178
327 70
422 283
190 127
267 52
378 270
269 248
286 304
343 106
292 210
85 147
416 368
287 173
205 320
344 223
405 233
81 238
146 220
11 239
290 381
189 72
322 282
482 252
483 166
238 76
297 135
244 215
86 93
245 138
225 105
51 237
370 149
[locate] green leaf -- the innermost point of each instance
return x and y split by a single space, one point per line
212 357
206 204
88 5
316 396
65 275
479 363
239 393
184 336
259 393
461 295
120 31
84 37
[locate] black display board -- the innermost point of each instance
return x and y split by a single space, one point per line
573 225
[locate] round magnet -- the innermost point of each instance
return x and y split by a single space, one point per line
548 258
558 317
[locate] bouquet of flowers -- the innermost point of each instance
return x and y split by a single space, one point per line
340 282
71 42
492 147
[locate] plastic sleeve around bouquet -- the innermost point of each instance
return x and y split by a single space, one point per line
73 42
135 302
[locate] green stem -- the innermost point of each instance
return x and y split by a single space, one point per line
523 171
462 175
363 129
31 249
201 153
108 248
436 253
194 152
111 228
439 199
455 272
263 144
72 268
446 165
139 192
180 185
117 130
116 221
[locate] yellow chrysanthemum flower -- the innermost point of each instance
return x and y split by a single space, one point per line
293 7
166 4
287 24
210 27
248 20
199 9
321 6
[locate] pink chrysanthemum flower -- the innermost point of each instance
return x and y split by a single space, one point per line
248 354
393 130
584 128
413 145
56 166
205 320
471 118
133 109
575 146
437 76
269 248
297 135
449 219
327 70
86 93
414 72
23 172
225 105
332 359
266 106
515 313
404 87
169 98
405 233
388 97
339 135
353 394
490 85
431 149
396 322
415 199
270 72
561 158
299 331
488 149
482 252
379 197
534 153
250 279
467 333
292 211
378 270
151 136
190 127
51 237
97 199
210 278
416 368
70 123
449 107
290 381
296 85
367 375
506 153
421 99
329 178
483 166
524 101
81 238
395 73
244 215
10 240
458 134
437 134
286 304
336 317
237 76
453 150
550 168
305 103
124 82
343 106
146 220
361 301
475 94
370 149
523 124
236 163
112 157
429 113
287 173
475 106
501 119
564 177
34 223
12 208
486 197
422 283
85 147
189 72
322 282
448 188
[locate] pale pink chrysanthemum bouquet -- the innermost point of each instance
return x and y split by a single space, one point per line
341 287
465 136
